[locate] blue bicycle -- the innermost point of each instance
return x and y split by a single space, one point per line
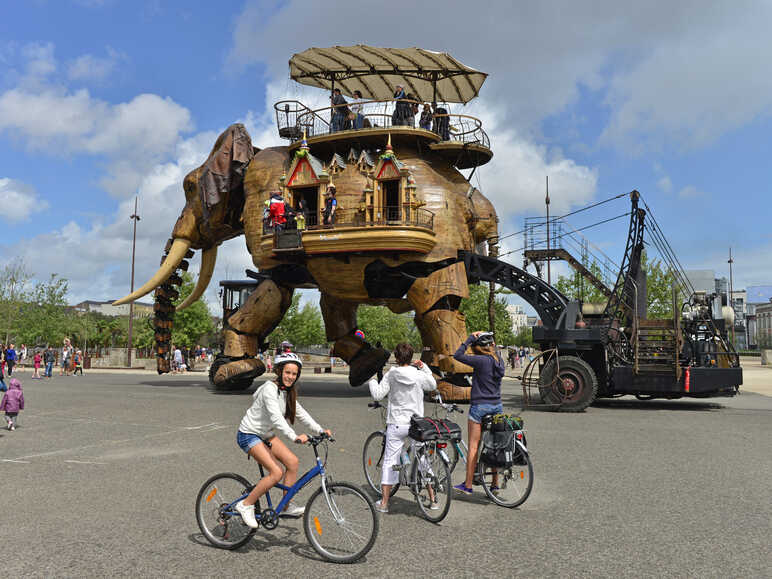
340 520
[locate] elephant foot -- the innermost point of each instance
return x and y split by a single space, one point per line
453 392
366 364
226 374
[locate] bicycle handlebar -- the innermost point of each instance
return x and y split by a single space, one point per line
448 407
316 440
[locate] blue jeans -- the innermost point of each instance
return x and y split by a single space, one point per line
49 369
477 411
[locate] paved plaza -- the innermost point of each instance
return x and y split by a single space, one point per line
100 479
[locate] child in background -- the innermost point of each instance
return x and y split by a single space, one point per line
77 360
12 403
36 361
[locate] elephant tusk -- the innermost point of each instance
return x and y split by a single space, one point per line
208 260
176 254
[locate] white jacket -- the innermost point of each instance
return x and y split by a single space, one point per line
266 415
405 386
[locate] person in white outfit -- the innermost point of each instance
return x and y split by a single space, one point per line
405 385
275 407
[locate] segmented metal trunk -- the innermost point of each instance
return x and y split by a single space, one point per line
163 321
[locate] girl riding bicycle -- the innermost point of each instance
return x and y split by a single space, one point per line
275 407
489 369
405 386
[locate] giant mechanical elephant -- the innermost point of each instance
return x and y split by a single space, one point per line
225 198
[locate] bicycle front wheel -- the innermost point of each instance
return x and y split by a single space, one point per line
218 520
344 529
372 461
508 486
431 482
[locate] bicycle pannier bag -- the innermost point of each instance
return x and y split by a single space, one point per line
498 448
450 430
423 429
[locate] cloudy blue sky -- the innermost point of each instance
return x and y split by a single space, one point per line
104 100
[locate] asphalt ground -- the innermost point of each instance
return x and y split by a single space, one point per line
101 477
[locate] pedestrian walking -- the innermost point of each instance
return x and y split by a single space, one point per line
10 359
66 358
49 359
77 362
22 356
12 403
36 361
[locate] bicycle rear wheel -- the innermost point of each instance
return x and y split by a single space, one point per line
431 484
218 520
508 486
372 461
344 530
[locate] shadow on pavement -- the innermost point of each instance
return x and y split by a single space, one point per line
691 405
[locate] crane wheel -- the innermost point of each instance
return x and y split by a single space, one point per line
569 383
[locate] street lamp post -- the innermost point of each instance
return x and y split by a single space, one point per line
731 298
134 217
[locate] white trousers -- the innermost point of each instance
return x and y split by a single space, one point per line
395 439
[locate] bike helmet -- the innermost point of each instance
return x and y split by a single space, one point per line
285 358
359 334
484 339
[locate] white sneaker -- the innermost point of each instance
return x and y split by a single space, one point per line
293 510
247 513
13 427
434 506
380 508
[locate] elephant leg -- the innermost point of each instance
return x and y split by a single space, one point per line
340 322
435 300
243 333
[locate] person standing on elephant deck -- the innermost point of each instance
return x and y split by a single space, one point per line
485 398
330 205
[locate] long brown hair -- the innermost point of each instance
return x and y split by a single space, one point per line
487 351
292 392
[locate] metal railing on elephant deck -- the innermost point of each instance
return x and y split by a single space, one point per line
404 216
294 119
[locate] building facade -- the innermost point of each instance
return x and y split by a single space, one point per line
141 309
518 317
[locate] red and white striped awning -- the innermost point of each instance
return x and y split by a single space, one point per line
424 74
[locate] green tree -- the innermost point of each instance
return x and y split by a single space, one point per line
44 317
525 338
14 290
380 324
475 308
301 326
659 289
192 322
575 287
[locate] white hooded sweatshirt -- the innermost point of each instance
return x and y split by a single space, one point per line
405 387
266 415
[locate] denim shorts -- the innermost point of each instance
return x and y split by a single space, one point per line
477 411
247 440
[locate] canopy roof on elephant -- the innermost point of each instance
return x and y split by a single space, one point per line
375 72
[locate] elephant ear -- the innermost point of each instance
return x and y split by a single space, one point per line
221 177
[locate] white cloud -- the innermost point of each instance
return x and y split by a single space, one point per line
99 256
676 86
19 201
665 184
690 191
131 136
89 67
